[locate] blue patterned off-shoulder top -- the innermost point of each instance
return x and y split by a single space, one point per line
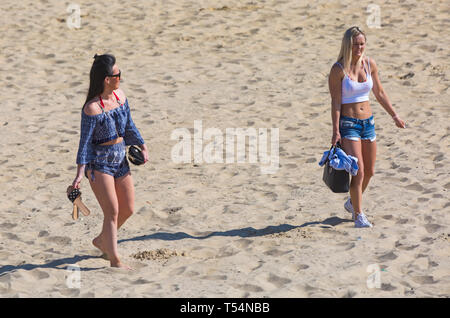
101 128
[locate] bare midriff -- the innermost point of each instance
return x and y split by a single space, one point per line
112 142
360 110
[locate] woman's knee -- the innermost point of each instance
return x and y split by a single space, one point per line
369 172
358 179
110 209
128 211
112 214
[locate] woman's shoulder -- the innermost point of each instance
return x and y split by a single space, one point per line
371 60
338 65
92 107
337 70
372 64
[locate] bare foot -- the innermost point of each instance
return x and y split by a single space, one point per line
97 242
119 264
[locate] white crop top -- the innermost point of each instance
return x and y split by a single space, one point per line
354 91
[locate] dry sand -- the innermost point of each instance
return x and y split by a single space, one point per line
225 230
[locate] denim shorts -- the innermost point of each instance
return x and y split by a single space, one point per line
356 129
109 159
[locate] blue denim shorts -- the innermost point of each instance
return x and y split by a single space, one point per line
109 159
356 129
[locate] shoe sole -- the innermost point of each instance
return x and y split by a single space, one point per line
362 227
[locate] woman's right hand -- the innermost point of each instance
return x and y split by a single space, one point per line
399 122
77 181
336 137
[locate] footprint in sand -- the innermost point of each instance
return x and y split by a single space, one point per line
7 226
432 228
405 247
387 257
75 84
347 246
303 266
243 243
43 234
215 277
401 221
277 280
60 240
275 252
424 280
249 288
38 274
428 240
51 175
70 132
388 287
415 186
178 271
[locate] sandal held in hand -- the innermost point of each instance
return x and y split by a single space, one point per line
74 195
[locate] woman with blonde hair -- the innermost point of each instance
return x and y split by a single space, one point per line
106 129
351 79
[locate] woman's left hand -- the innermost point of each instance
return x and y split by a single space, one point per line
144 153
399 122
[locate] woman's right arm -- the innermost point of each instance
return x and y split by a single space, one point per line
335 84
85 148
80 171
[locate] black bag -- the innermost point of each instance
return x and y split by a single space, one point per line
135 155
337 180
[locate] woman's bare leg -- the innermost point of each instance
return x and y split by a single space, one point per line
125 196
104 190
353 148
369 154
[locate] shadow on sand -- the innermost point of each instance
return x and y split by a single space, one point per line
244 232
55 264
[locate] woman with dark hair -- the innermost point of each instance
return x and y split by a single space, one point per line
106 129
351 79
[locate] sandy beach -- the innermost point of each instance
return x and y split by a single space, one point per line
225 229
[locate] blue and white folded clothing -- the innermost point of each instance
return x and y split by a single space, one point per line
339 160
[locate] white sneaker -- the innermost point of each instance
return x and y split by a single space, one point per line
349 207
361 221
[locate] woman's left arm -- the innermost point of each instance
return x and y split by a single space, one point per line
132 134
382 97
